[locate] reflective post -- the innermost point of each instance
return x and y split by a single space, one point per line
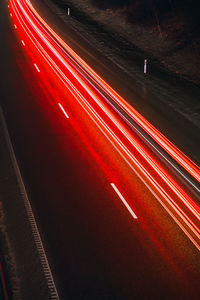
145 66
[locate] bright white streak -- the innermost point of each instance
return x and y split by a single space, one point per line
123 200
36 67
66 115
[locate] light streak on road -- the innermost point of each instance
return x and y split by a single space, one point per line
93 93
63 110
180 157
124 201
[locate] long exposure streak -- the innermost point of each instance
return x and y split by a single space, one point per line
111 113
184 161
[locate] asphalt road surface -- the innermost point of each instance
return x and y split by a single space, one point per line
96 248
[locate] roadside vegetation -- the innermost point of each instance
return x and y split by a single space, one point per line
168 30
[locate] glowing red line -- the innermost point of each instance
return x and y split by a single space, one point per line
64 80
191 225
54 34
170 182
124 201
66 115
180 157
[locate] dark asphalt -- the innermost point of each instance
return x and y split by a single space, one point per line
95 249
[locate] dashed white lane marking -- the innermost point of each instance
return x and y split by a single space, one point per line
36 67
124 201
63 110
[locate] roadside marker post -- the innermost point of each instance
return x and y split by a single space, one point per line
145 66
68 11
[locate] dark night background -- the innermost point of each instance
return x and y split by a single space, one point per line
149 12
164 30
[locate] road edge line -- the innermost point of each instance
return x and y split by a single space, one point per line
34 228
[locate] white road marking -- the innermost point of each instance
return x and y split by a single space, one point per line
66 115
124 201
37 68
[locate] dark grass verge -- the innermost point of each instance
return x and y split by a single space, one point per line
7 260
123 47
20 259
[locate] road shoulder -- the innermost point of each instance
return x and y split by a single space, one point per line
27 268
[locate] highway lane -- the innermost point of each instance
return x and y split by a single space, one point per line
95 248
145 93
74 72
129 114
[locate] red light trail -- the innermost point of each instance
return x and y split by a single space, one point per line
180 157
118 121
